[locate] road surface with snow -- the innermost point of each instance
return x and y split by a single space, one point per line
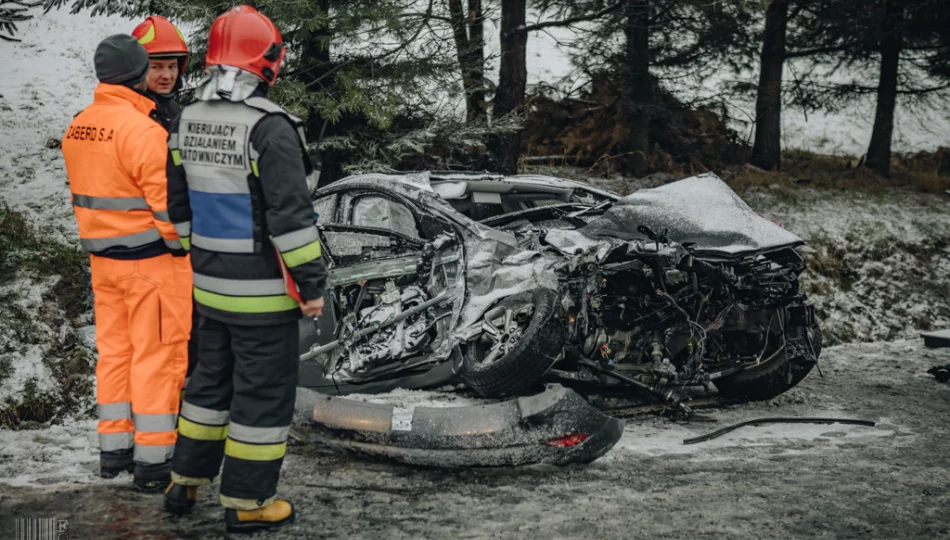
781 481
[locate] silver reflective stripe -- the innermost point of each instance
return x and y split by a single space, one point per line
155 423
253 152
173 244
115 411
110 203
128 240
220 184
240 287
162 216
266 105
173 141
208 417
153 455
110 442
293 240
183 229
223 245
258 435
184 385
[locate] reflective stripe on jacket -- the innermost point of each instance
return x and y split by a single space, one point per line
115 161
237 216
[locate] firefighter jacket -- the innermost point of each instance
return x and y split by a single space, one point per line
115 161
238 197
167 109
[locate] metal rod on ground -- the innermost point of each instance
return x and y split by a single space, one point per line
440 299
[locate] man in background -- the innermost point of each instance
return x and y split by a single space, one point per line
167 59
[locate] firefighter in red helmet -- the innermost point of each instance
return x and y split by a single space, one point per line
237 189
167 58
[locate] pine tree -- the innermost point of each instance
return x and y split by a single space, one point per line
903 41
468 30
13 12
767 149
674 43
352 71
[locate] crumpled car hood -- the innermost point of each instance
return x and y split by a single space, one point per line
702 210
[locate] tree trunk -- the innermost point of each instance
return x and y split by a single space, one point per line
504 148
476 41
316 66
468 31
879 151
637 33
767 151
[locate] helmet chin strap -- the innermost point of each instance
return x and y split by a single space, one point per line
227 83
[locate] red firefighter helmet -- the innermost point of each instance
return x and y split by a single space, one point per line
244 38
162 39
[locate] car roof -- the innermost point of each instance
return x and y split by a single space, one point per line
482 182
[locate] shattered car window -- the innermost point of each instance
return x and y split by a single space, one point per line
325 207
382 213
348 244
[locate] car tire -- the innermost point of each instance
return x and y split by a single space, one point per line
520 368
770 379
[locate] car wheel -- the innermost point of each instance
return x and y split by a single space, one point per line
522 337
771 378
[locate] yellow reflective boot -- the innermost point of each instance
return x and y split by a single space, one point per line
180 499
276 514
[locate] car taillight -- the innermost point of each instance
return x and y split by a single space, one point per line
569 441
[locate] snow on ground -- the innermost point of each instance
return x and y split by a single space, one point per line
57 455
23 339
878 264
780 481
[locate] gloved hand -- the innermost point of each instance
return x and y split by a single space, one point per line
312 308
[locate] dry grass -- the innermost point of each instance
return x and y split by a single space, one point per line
926 172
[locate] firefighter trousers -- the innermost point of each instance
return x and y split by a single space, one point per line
143 319
238 408
192 351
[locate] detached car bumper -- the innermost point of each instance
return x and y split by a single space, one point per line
556 426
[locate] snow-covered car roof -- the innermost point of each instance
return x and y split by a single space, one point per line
439 181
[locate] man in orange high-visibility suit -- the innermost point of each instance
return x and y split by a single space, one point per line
115 159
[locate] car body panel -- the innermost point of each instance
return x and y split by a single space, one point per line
519 431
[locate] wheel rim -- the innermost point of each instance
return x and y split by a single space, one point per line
502 329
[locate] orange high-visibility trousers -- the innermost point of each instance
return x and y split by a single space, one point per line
143 320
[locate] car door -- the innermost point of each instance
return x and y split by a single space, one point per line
365 236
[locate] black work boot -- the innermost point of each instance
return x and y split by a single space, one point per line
113 463
152 478
276 514
179 499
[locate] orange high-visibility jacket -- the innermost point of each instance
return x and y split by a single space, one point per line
115 159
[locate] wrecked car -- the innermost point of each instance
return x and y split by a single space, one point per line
506 283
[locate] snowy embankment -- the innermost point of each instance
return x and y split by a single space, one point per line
47 79
878 265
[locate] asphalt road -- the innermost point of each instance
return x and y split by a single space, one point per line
785 481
